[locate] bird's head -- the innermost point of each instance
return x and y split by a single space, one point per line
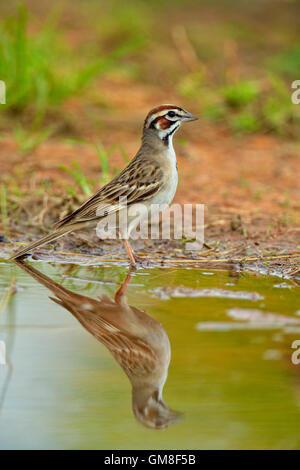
166 119
153 412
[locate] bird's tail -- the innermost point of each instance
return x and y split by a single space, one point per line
56 288
42 241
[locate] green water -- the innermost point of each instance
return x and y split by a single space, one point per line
232 380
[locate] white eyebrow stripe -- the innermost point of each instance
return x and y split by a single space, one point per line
154 116
162 113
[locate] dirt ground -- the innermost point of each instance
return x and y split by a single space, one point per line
249 185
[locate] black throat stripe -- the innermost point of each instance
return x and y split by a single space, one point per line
166 138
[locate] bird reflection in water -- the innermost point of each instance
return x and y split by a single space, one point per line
138 343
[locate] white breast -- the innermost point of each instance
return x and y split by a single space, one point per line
167 193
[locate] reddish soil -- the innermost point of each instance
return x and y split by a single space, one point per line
249 185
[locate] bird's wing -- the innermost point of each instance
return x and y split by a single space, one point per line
134 355
140 180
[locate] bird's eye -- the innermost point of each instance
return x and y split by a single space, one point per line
171 114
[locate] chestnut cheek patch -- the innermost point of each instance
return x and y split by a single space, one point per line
163 123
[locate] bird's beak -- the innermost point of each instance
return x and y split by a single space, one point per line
189 117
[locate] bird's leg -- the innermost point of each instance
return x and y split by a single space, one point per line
129 251
122 289
134 259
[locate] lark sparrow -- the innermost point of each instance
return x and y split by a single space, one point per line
150 178
138 343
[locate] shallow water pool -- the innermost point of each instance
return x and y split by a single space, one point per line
86 369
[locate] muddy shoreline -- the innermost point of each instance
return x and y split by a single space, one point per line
168 255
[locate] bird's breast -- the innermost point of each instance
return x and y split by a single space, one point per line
169 187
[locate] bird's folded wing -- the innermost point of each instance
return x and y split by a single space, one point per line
134 355
138 181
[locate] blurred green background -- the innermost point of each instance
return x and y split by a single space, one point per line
235 61
82 75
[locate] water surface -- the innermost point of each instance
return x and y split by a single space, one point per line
231 378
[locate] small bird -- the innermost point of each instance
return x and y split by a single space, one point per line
150 178
139 344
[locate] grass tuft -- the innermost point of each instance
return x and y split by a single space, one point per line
77 173
42 70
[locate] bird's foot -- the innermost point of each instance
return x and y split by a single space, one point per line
140 262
